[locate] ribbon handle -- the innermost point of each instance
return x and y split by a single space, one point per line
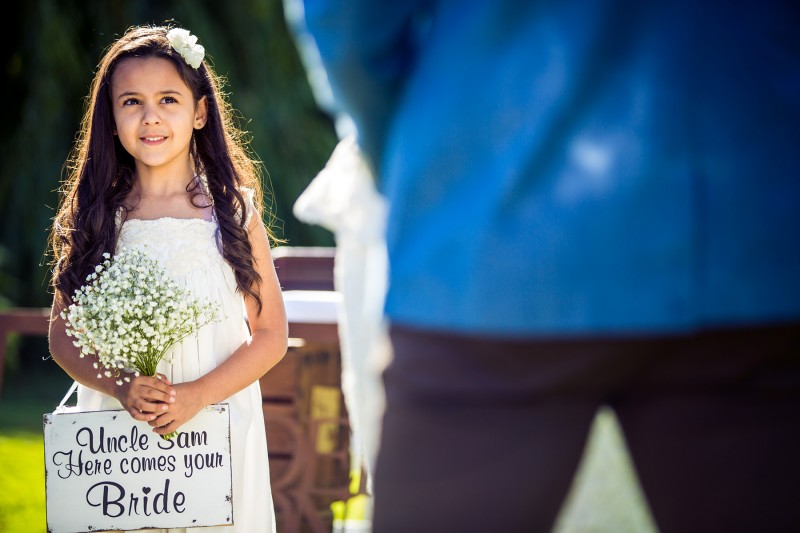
69 393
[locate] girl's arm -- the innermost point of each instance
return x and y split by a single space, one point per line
265 347
143 397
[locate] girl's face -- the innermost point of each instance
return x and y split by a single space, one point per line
155 114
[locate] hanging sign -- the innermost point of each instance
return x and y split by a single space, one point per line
106 471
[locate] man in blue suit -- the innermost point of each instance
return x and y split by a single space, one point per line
591 202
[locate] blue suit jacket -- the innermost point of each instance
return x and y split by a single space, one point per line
583 167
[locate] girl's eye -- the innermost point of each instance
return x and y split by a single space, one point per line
131 101
169 100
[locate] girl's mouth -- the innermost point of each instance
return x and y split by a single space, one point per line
153 140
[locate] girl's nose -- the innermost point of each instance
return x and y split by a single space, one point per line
150 115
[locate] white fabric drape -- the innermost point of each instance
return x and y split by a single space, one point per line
343 199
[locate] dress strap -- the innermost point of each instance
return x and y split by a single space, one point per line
247 193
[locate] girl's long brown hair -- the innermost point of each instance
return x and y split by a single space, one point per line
100 172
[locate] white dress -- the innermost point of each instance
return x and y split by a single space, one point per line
188 249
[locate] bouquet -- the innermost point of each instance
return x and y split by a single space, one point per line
130 313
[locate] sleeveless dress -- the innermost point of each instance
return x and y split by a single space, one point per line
188 249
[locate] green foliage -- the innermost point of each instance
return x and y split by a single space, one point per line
52 48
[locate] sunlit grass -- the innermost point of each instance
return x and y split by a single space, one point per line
25 398
22 498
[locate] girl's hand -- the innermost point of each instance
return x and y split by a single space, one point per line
145 397
187 403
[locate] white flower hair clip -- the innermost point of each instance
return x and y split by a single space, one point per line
186 45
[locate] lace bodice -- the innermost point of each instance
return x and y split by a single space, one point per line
180 245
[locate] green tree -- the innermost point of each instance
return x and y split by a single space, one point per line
54 47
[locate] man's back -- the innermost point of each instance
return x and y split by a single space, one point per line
582 166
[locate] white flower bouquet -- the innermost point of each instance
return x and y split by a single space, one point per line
130 313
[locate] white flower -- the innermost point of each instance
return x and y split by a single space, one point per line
127 318
186 45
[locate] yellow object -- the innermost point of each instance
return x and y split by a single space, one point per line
326 405
354 509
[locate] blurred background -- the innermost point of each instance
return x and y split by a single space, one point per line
51 49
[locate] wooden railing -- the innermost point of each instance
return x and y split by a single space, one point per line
25 321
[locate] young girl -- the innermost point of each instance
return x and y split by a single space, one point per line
158 163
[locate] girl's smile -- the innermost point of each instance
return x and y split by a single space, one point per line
155 115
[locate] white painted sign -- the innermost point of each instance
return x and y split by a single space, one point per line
106 471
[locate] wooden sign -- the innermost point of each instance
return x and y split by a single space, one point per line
106 471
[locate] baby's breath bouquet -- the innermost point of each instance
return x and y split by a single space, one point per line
130 312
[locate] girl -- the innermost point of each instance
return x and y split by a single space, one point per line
158 163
